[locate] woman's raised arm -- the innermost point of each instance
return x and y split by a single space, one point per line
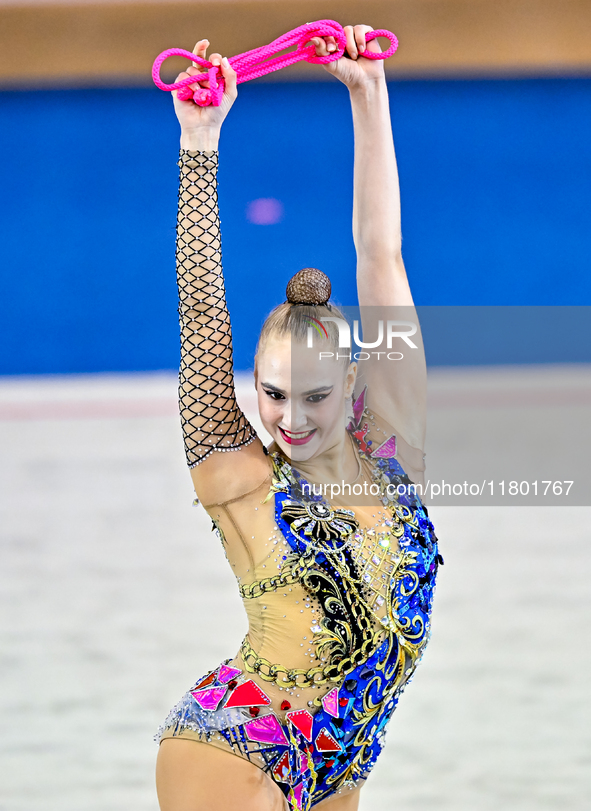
396 388
212 422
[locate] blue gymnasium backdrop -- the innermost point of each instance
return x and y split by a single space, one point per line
495 192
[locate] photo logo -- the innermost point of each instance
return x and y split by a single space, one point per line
314 323
389 330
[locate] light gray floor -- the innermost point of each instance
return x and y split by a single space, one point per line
116 596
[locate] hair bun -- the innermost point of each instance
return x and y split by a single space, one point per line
308 286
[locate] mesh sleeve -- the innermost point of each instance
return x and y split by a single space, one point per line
210 417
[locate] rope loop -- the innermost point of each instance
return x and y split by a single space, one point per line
261 61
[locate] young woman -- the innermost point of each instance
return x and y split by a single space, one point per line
338 597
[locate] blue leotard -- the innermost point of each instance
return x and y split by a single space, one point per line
374 589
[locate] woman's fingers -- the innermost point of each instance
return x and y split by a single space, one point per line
183 75
186 73
226 68
351 42
356 40
359 32
320 45
229 75
191 71
200 50
374 45
324 45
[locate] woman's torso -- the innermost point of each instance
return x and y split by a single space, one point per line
325 584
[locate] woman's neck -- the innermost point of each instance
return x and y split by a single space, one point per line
338 463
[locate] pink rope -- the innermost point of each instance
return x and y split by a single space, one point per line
260 61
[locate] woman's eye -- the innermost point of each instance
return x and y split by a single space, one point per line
316 398
274 395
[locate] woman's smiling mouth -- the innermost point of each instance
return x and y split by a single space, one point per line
297 438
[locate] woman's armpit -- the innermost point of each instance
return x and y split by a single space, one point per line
247 527
380 430
225 476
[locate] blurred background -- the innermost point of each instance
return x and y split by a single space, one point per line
115 597
492 119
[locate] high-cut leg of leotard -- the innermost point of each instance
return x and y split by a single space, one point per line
338 598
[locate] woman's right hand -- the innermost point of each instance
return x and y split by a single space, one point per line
200 126
353 71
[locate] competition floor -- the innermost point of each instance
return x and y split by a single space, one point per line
116 596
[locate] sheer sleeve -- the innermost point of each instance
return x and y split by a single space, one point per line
210 417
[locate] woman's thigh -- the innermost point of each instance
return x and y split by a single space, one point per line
192 776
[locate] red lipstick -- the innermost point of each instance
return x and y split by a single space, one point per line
299 438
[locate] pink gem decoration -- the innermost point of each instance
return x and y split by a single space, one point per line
303 763
302 720
227 673
209 699
266 730
330 702
387 449
359 407
297 796
248 694
325 742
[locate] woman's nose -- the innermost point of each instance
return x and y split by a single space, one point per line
293 418
299 418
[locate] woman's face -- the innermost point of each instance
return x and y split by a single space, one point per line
301 397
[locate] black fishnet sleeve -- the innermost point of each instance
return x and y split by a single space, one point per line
210 416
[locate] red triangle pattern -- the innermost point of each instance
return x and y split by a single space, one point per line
206 681
302 720
281 770
325 742
248 694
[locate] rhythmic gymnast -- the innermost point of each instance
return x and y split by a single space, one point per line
338 597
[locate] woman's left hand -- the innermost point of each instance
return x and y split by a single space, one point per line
356 70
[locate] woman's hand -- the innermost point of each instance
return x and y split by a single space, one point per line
200 126
353 71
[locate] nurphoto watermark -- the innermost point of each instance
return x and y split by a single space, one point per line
388 331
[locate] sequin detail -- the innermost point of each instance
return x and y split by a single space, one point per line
330 702
387 450
302 721
248 694
206 681
282 771
297 796
266 730
227 673
371 591
210 698
325 742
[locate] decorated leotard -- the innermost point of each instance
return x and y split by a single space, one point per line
338 598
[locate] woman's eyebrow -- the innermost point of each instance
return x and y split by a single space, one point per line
319 390
272 387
